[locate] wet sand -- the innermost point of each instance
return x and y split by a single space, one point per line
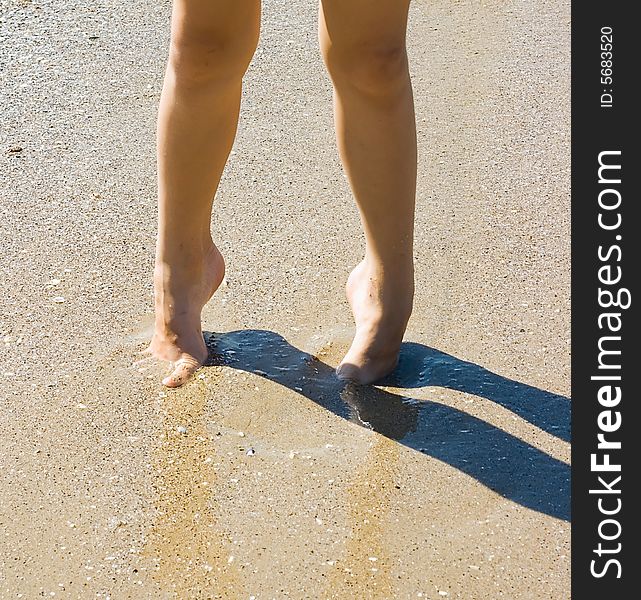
265 477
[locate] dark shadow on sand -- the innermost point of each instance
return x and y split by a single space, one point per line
498 460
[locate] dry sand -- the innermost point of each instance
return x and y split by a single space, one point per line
264 477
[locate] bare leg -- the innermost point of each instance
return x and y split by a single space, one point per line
212 42
363 44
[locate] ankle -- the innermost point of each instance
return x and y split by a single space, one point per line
186 253
397 267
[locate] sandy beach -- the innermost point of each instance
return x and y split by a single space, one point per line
265 477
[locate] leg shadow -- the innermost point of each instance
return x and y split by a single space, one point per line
502 462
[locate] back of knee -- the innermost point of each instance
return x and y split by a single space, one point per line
376 68
214 58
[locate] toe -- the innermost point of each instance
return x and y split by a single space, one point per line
348 372
183 369
366 370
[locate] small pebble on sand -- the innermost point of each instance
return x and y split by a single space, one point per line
181 429
58 299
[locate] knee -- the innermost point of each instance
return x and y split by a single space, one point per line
376 68
203 59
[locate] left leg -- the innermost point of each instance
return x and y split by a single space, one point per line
363 44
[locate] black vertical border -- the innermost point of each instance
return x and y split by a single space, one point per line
595 129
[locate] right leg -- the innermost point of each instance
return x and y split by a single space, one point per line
212 42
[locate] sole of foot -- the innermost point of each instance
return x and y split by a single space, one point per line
179 300
381 304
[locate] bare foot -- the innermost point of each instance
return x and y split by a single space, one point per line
382 303
182 288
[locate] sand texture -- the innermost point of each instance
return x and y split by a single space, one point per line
265 477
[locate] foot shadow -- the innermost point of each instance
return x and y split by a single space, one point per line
502 462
